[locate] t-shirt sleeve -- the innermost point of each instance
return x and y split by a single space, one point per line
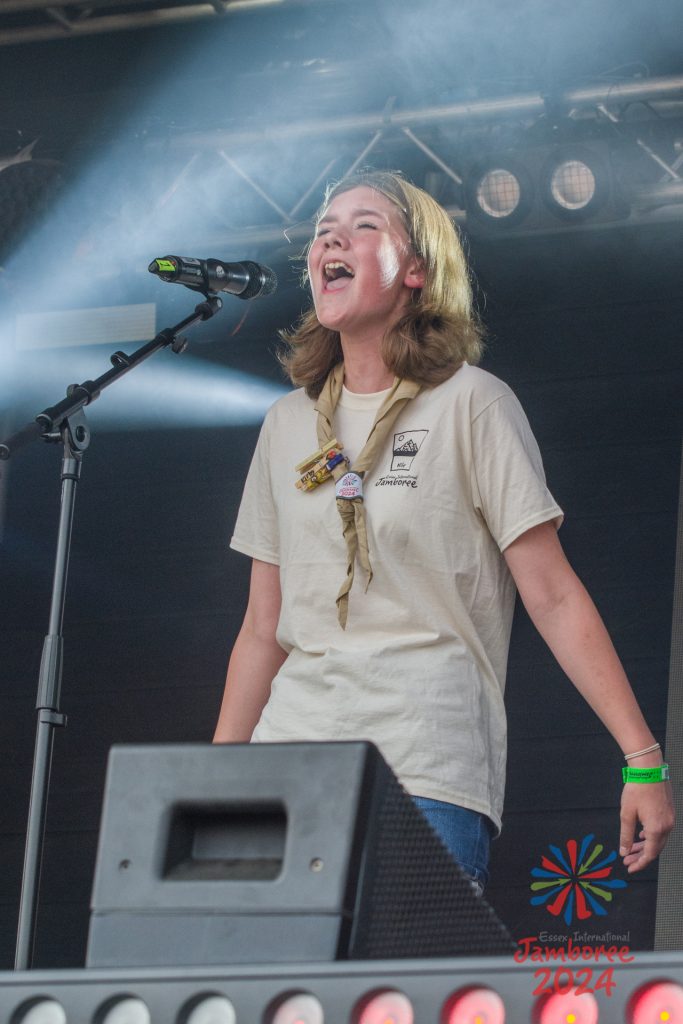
508 481
256 530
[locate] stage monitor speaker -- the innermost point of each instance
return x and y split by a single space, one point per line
265 853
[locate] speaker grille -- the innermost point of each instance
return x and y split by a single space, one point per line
415 899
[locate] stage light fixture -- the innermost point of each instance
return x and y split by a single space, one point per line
296 1008
40 1011
499 193
575 183
388 1006
125 1010
572 185
401 991
567 1007
474 1005
209 1009
533 189
657 1002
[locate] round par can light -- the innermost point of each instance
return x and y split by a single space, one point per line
40 1010
210 1008
124 1010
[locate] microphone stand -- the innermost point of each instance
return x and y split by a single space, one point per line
66 422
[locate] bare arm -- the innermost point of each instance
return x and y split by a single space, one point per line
565 616
255 659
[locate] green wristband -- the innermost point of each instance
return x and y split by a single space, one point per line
658 774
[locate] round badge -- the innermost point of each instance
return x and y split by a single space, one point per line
349 486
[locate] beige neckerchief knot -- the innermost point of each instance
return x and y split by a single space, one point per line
351 510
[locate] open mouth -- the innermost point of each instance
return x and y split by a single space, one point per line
335 274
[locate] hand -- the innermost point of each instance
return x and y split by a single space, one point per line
651 804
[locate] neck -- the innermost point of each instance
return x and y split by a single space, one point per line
364 369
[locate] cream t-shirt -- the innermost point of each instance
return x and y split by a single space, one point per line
353 419
420 668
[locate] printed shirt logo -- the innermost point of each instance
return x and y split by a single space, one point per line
574 885
406 446
403 451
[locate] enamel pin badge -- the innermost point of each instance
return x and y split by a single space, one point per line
349 486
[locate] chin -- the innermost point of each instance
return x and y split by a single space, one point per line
330 322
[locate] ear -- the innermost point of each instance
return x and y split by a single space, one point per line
415 274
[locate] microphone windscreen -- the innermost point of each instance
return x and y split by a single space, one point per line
262 280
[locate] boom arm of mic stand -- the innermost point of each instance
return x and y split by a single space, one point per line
48 421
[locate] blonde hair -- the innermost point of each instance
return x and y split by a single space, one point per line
439 330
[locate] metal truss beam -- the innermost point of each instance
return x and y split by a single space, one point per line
19 6
248 164
605 104
523 106
93 17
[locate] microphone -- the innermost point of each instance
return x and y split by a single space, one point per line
246 280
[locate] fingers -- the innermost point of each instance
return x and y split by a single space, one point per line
634 854
653 806
644 853
629 821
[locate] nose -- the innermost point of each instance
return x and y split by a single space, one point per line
335 237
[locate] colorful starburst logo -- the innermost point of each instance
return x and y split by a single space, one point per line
576 883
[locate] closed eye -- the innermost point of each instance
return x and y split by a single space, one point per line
366 224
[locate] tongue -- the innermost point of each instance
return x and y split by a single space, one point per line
337 283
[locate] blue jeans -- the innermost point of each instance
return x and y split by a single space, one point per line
466 834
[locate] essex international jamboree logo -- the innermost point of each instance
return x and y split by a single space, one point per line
576 883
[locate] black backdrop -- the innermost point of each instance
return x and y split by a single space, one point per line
584 326
586 329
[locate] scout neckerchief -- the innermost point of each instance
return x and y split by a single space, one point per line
348 480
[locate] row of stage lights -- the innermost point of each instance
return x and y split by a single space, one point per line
572 185
656 1002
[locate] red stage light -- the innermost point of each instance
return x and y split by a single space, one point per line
474 1006
658 1002
386 1007
567 1008
297 1008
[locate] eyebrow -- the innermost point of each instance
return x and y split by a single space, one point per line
360 212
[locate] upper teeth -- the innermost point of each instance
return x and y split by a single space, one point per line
338 265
